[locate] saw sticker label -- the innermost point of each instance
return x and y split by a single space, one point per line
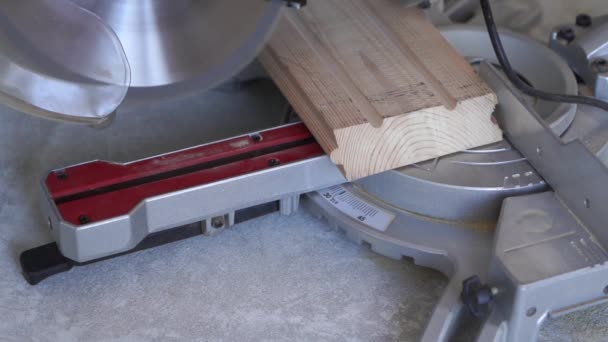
356 208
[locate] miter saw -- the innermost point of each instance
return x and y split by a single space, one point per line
518 226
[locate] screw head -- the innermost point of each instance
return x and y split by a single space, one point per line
217 222
274 162
84 219
584 20
566 34
61 175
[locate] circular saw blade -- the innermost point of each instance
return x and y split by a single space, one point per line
180 46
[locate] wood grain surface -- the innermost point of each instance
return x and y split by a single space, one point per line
378 85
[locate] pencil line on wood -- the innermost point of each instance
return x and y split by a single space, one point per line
320 48
423 72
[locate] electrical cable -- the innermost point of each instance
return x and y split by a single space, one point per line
503 60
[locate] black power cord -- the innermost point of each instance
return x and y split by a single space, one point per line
514 78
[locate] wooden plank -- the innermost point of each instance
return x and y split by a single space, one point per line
328 59
378 85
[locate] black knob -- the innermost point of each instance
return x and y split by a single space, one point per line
477 297
584 20
567 34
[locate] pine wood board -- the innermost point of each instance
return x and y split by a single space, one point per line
378 85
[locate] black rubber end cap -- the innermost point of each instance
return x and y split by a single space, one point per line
42 262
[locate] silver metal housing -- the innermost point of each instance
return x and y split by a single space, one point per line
586 50
104 238
547 257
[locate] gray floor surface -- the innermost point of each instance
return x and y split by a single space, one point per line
273 278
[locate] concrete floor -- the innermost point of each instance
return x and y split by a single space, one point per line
273 278
269 279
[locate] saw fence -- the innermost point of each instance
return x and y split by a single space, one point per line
378 85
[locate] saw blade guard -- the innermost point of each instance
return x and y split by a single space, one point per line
60 61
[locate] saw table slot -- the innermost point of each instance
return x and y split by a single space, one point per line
106 205
183 171
100 190
97 175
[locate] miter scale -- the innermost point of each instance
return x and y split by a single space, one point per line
449 214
